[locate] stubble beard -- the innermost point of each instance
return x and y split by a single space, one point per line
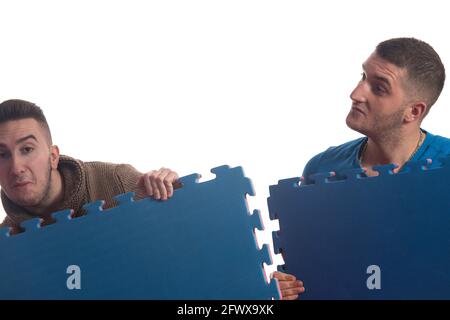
41 198
383 128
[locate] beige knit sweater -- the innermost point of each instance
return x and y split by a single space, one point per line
83 182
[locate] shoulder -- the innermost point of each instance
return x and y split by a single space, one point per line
435 147
440 143
100 168
100 175
80 170
335 158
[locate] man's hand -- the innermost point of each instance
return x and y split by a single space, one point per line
289 285
159 184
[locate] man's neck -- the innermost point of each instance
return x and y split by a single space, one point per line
397 147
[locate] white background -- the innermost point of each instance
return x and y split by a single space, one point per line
192 85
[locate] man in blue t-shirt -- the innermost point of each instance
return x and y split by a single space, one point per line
350 155
400 82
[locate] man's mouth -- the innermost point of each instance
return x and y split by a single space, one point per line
21 184
357 109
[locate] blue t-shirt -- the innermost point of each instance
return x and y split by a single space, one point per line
346 155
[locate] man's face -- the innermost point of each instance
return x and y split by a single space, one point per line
379 101
26 162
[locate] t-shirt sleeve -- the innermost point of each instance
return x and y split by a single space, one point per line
311 168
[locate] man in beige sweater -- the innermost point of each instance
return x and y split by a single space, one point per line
37 181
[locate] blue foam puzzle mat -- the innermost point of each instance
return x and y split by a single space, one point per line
383 237
198 245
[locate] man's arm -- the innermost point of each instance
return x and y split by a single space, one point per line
158 184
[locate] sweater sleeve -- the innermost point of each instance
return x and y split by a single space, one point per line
128 178
7 223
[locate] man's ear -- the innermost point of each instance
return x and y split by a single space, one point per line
416 111
54 156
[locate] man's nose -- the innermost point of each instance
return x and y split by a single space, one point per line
17 165
359 94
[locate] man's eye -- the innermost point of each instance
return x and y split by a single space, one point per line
379 90
27 150
4 154
363 76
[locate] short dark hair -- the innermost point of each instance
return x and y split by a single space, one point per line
423 65
16 109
